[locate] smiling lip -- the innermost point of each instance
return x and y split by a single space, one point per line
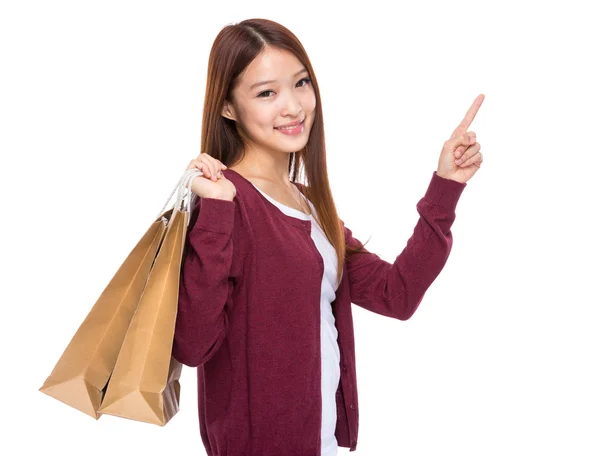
292 131
291 124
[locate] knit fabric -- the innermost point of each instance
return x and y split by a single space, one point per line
249 316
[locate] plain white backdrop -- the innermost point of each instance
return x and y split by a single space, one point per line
100 113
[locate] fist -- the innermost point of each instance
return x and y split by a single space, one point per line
213 183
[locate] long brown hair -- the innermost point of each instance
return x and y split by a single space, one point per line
233 49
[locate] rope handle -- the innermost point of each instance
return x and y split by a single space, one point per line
183 189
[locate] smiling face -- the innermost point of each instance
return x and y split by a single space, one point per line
274 90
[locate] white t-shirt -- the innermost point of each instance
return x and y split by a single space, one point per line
330 352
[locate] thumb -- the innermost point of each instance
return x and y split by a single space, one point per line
461 140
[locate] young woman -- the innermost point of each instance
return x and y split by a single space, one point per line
270 271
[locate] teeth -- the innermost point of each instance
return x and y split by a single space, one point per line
288 128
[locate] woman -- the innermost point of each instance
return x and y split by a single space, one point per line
269 270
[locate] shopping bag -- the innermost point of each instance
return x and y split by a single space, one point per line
144 385
80 376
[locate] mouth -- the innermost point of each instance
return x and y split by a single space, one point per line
291 125
292 130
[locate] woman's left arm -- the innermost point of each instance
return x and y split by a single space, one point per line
396 290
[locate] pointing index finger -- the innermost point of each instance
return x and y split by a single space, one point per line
469 116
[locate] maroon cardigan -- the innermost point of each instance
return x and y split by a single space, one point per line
249 316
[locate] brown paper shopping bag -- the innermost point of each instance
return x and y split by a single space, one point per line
80 376
145 385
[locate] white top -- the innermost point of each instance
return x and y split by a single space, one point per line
330 352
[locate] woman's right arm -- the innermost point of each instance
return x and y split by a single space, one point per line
205 285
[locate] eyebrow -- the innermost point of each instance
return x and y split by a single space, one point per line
303 70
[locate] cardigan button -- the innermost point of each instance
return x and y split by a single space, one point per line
345 368
352 406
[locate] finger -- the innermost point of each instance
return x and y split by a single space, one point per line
198 164
211 168
469 116
474 156
215 166
460 149
472 150
194 164
462 140
465 156
203 166
476 159
220 168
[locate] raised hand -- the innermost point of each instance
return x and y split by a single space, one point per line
461 157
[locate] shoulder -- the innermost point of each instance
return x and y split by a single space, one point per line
244 191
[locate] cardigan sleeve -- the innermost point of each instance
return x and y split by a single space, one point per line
396 290
205 283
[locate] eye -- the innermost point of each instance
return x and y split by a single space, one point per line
305 79
262 94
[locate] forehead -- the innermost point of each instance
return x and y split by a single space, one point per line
270 64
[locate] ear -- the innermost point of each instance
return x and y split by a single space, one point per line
228 111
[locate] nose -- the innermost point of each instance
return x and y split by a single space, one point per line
292 107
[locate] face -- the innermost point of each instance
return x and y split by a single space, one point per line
274 90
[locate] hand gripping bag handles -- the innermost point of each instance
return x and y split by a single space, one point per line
119 360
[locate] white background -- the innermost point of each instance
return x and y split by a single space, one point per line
100 114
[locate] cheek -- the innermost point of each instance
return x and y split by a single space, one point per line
265 116
309 103
259 118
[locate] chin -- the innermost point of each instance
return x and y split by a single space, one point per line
288 145
292 146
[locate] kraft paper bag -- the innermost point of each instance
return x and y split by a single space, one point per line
145 384
80 376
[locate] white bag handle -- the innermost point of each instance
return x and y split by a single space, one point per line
184 185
